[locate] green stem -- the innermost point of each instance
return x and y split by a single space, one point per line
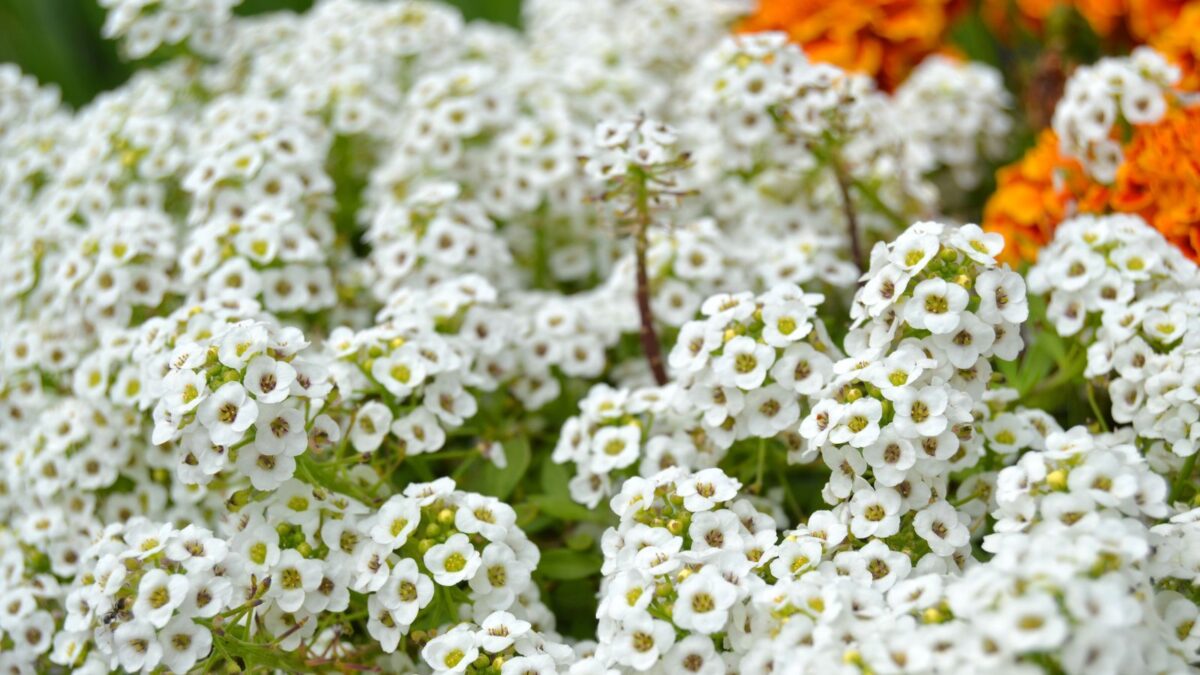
1184 477
762 456
1091 395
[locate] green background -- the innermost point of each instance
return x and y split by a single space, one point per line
58 41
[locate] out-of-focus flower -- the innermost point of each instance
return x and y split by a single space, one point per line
1160 178
1035 194
1148 18
1179 42
1138 20
883 38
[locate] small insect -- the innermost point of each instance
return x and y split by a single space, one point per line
117 610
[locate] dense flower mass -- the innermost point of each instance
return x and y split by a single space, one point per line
1122 143
648 338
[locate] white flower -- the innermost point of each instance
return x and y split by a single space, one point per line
499 630
268 380
936 305
500 577
890 457
704 601
447 399
158 595
1030 623
370 426
280 431
770 410
452 561
396 519
940 526
292 577
382 624
913 250
419 432
406 592
1001 297
615 447
137 646
706 488
859 423
921 412
537 664
980 246
183 642
802 369
874 512
785 323
184 390
227 413
964 345
266 471
452 652
400 372
642 641
694 654
743 363
488 516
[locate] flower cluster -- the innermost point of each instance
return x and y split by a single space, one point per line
748 367
685 558
650 427
152 594
1100 98
899 416
144 27
371 339
960 111
1130 297
781 139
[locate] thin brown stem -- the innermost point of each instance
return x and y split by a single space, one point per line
641 220
650 344
843 182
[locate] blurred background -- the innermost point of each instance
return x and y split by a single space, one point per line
58 41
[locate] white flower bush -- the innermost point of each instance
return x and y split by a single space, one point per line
1132 90
370 339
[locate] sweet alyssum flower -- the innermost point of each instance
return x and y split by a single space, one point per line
266 306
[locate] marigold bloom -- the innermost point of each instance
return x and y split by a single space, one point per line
883 38
1034 195
1180 43
1136 19
1160 178
1149 18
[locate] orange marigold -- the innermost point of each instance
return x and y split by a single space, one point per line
1137 19
1160 178
883 38
1180 43
1149 18
1034 195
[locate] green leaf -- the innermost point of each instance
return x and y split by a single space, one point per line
565 564
580 541
565 509
492 480
555 479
